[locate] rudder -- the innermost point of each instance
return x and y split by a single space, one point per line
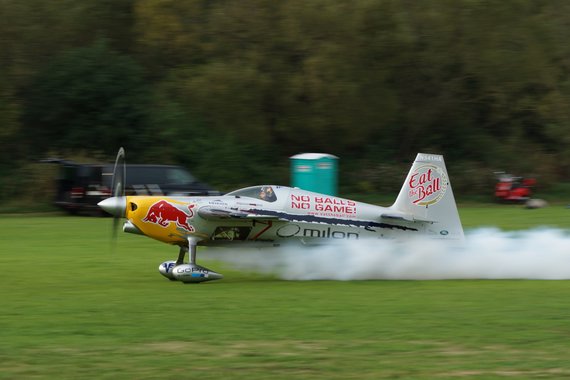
426 196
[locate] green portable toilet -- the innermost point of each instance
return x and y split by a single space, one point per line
316 172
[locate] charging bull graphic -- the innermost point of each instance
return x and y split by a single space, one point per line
164 213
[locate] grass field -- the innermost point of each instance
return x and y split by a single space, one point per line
70 308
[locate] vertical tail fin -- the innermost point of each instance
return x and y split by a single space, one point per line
427 196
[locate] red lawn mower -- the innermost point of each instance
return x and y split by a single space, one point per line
513 189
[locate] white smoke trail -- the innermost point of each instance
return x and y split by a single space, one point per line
486 254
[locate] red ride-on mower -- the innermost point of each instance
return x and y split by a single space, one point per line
513 189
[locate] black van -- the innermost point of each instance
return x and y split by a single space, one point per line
79 187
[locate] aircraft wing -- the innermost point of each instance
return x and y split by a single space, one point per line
212 213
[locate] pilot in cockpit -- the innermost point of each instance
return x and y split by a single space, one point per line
267 194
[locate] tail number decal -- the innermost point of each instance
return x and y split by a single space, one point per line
427 185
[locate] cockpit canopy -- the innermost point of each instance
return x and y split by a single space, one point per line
263 193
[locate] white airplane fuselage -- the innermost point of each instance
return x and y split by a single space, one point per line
273 214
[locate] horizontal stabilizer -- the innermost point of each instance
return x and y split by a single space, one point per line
405 216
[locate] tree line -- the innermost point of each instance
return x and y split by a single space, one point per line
231 89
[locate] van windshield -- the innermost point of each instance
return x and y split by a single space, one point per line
179 176
141 175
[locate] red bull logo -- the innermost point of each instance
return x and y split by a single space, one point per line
427 185
163 213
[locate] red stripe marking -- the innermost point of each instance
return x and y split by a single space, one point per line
269 224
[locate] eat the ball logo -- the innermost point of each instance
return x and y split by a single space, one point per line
427 185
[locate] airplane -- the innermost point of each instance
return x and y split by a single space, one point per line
274 215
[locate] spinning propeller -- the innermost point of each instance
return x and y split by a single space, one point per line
116 205
118 186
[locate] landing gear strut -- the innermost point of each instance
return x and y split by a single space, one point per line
181 255
190 273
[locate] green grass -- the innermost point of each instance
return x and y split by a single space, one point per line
514 217
71 308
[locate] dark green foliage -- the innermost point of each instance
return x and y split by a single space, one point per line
241 86
87 98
